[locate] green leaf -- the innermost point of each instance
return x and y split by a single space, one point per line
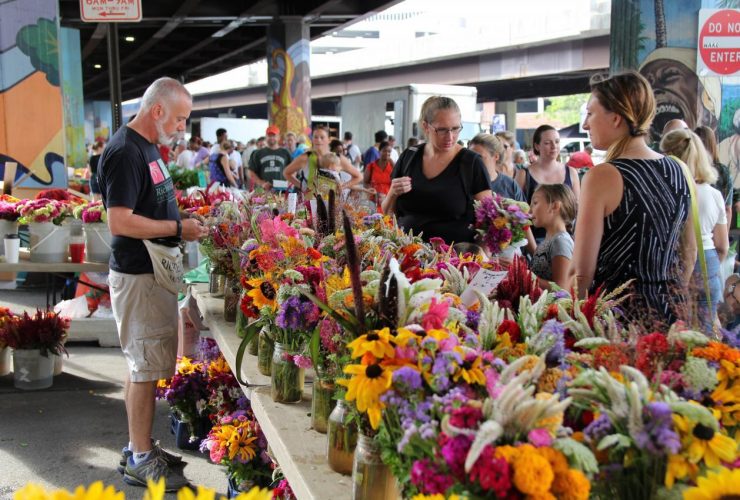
249 334
351 324
314 346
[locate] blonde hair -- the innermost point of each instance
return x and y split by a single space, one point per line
630 96
566 197
687 146
329 160
433 105
465 247
491 143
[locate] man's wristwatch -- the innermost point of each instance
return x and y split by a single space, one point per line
178 234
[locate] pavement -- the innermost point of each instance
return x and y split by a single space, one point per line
73 432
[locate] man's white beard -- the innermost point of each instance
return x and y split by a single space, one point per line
163 138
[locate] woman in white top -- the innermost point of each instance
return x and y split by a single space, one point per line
686 145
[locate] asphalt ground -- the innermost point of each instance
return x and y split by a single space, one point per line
73 432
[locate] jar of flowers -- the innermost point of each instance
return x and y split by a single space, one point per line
8 216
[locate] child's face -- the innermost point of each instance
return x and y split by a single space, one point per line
542 212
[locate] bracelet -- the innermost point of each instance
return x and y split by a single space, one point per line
178 234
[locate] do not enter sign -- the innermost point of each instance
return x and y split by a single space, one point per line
719 42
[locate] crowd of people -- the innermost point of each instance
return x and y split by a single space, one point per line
629 219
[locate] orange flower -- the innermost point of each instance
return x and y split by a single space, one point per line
716 351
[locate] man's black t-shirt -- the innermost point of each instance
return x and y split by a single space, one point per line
440 207
269 164
133 175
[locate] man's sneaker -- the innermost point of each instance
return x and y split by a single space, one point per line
155 468
173 459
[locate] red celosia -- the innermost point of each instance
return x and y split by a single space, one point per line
518 283
493 474
611 357
512 328
650 351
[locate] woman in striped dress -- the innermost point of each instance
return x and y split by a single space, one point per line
634 218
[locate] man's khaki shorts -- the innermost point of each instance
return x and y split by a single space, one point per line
146 318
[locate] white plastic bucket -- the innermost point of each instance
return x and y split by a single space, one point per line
31 370
97 242
6 362
49 242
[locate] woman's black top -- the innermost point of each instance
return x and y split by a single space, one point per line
641 237
442 206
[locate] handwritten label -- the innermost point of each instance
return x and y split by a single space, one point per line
485 282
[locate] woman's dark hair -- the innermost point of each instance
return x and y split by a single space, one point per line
383 145
336 146
537 138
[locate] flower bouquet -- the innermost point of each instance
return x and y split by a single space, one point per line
501 222
44 331
91 213
187 394
9 208
237 442
43 210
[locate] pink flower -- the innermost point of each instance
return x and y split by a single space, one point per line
436 315
302 361
539 437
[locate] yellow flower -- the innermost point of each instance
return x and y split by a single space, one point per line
499 222
704 443
96 491
185 366
366 386
471 372
506 452
532 472
241 445
335 282
262 293
557 460
679 468
716 485
154 491
376 342
437 496
219 366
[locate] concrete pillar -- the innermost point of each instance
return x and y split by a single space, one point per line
508 108
289 78
31 104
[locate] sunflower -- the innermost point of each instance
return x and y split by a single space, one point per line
366 386
471 372
376 342
724 483
704 443
263 293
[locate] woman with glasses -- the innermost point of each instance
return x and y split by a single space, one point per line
634 218
506 160
433 186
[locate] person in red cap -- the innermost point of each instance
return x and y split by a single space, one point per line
580 159
267 164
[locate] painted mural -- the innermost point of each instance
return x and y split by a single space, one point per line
660 38
289 83
31 112
74 117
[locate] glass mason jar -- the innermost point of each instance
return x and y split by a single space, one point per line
286 377
371 478
216 282
342 439
232 294
322 403
264 353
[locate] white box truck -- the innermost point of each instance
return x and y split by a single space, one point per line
396 110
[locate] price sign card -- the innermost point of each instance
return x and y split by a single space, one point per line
485 282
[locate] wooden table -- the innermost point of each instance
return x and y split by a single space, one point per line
300 451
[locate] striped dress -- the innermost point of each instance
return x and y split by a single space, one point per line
641 238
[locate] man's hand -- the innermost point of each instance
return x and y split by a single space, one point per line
266 186
193 230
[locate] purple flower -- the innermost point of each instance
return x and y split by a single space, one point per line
657 435
427 477
298 315
598 429
472 319
407 379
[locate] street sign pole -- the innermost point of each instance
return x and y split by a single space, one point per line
114 76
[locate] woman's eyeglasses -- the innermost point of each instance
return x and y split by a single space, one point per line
444 131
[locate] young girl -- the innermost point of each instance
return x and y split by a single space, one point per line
553 208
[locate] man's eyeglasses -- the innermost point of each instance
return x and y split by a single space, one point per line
444 131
